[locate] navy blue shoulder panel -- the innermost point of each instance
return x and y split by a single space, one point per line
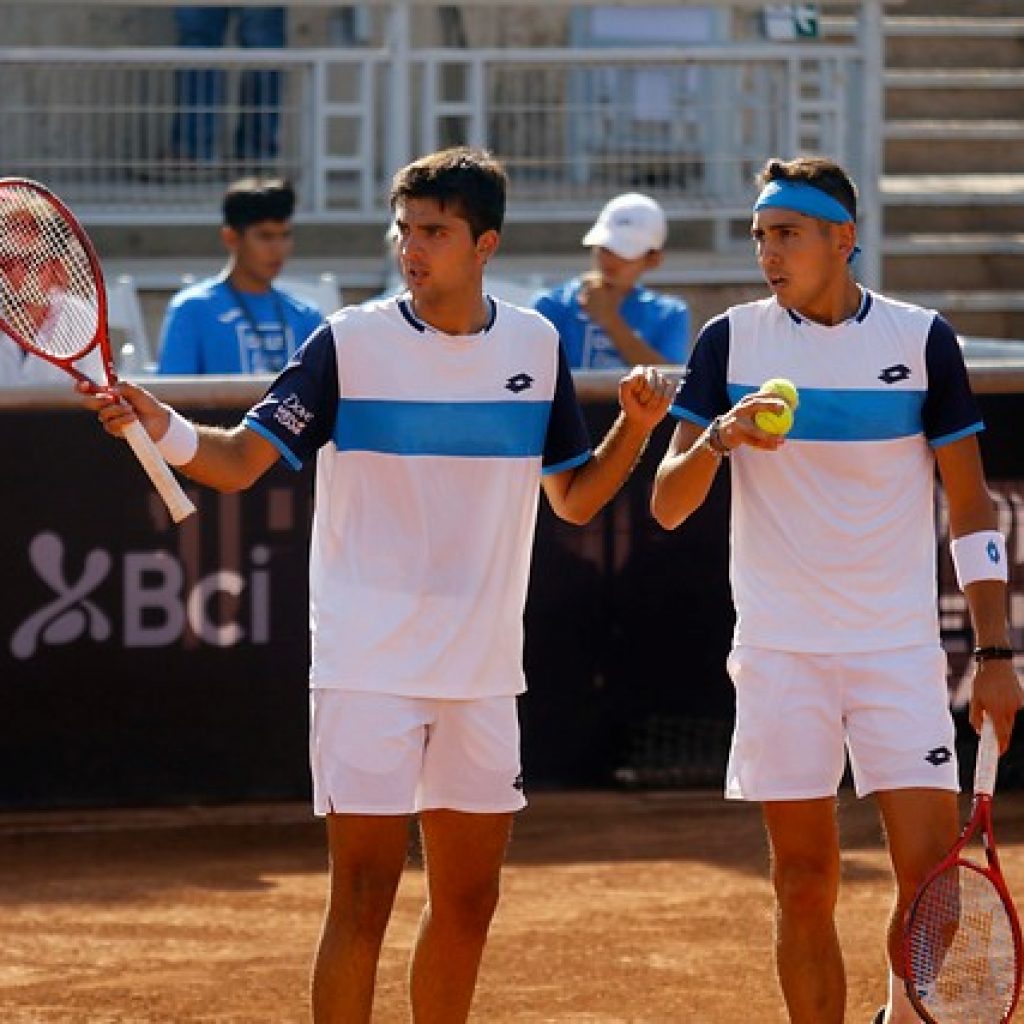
298 412
704 393
950 410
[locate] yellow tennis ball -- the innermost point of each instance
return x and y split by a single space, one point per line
775 423
785 389
778 423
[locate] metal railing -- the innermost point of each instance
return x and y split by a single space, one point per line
120 132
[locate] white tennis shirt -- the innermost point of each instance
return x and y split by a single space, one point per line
430 449
833 536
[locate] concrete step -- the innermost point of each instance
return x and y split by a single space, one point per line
959 243
954 78
955 93
953 189
959 130
976 314
966 301
961 43
971 150
908 218
844 26
962 271
961 28
956 8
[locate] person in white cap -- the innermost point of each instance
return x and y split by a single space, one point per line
605 317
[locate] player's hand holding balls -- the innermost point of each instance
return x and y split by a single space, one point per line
778 423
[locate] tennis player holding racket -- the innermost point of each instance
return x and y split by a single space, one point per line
432 416
836 646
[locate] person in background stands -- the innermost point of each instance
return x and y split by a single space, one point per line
238 322
201 93
606 318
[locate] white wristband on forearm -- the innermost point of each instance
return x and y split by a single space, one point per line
979 556
181 442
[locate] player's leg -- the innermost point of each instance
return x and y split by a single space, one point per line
463 855
901 740
804 841
366 755
920 827
367 855
471 785
788 754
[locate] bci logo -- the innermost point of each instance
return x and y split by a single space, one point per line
156 605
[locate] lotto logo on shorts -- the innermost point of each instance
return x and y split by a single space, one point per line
938 756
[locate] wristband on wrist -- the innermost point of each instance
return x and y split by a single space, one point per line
181 441
979 556
994 653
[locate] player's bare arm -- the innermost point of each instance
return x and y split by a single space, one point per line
996 688
577 495
227 460
694 454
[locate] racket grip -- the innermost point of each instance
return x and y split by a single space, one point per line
176 500
988 759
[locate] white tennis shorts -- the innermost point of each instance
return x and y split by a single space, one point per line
375 753
797 716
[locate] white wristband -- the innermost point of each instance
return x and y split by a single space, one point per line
180 443
979 556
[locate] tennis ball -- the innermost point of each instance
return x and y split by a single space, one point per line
775 423
785 389
778 423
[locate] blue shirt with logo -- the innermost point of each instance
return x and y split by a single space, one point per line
663 322
212 328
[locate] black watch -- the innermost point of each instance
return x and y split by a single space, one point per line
994 653
713 440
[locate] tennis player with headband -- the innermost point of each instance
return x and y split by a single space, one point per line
836 647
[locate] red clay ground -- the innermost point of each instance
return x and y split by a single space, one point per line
617 907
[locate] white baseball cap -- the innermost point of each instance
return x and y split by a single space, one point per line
631 225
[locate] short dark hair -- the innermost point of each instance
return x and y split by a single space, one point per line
469 181
823 174
251 200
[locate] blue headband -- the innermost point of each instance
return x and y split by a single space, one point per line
805 199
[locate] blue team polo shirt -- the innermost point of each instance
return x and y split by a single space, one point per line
663 321
211 328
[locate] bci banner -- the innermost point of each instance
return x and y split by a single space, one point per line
146 663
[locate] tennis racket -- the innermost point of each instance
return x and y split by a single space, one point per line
53 303
962 939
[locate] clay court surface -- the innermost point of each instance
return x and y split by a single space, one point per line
618 907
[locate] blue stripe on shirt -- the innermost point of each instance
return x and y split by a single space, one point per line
851 414
458 429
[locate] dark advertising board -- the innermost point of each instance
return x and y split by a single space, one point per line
146 663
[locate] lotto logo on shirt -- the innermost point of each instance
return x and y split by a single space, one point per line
293 415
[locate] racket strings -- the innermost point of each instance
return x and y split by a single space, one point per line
48 292
963 957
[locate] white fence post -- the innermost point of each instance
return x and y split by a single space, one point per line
872 45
